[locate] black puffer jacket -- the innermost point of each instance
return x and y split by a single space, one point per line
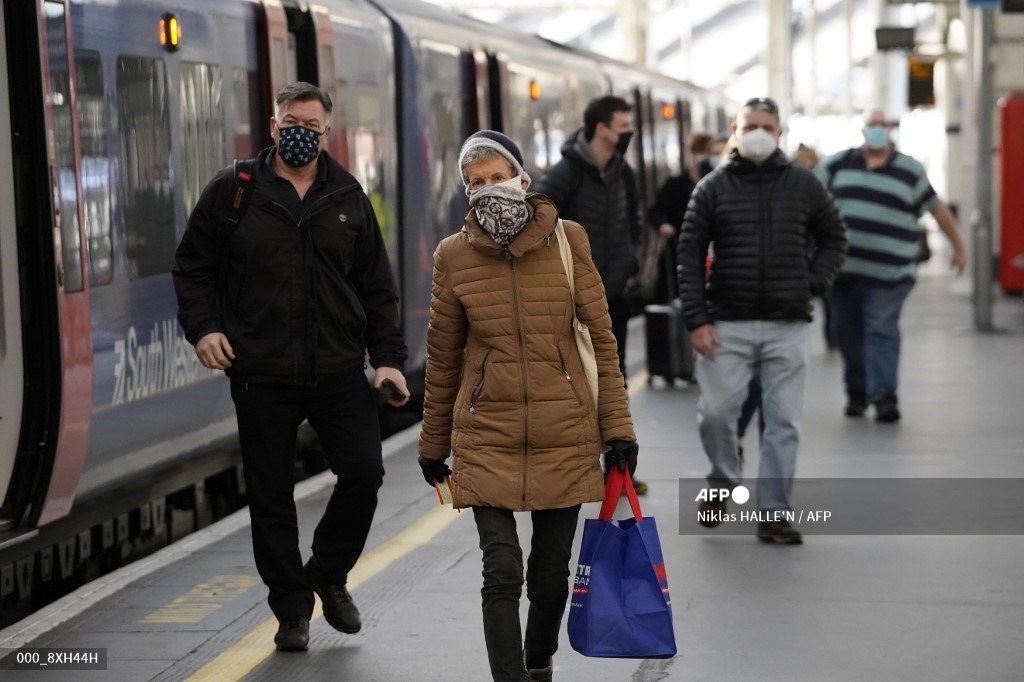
603 205
301 298
777 239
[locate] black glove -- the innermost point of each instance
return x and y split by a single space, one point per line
622 454
434 470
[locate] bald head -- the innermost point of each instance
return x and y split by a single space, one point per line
876 117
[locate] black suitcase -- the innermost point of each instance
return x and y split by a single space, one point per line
669 351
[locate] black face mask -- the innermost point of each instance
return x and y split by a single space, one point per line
704 167
623 144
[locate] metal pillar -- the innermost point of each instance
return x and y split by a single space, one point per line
633 17
779 56
981 218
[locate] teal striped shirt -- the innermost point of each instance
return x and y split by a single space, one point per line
881 208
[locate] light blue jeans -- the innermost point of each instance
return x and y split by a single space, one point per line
777 352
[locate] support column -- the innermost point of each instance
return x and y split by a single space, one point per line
779 56
981 218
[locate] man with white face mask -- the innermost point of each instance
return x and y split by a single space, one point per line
777 240
881 193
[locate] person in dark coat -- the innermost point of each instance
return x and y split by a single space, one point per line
288 302
762 216
593 185
665 216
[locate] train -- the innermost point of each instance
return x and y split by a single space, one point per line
114 440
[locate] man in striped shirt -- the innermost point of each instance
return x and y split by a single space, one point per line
881 193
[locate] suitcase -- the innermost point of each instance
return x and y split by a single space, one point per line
669 351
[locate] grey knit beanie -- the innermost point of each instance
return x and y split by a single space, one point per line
492 139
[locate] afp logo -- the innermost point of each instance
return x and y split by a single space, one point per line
740 494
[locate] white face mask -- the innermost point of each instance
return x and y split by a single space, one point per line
757 145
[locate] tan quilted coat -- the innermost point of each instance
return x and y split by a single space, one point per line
505 390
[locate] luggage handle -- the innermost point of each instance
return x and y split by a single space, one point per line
617 480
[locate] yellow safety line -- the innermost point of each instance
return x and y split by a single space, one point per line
239 660
637 383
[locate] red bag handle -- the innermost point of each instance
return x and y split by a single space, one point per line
617 480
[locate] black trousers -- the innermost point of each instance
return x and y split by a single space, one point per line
342 412
620 311
547 585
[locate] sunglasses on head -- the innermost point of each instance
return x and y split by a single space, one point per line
762 104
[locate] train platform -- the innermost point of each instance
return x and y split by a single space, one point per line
941 603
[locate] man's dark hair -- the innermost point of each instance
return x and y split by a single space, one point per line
302 92
601 110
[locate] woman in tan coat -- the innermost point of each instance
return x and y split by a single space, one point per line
507 396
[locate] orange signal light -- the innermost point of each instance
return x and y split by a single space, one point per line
170 32
534 90
668 111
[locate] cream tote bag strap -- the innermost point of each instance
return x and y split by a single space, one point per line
584 344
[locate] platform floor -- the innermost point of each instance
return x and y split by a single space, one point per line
839 607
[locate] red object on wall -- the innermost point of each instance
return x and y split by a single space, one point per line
1011 176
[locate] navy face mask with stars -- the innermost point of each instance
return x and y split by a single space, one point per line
297 145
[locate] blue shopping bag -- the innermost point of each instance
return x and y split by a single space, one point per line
620 603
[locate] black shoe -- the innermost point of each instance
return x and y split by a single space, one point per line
293 635
781 532
340 611
856 404
887 409
710 513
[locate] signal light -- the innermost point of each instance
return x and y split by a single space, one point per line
534 90
668 111
170 32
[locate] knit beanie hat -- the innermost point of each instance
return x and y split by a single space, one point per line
492 139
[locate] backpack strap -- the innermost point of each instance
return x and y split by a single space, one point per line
240 197
240 194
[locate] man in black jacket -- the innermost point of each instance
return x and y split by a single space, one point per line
287 302
593 185
778 240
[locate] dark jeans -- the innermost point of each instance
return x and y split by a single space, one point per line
342 412
750 406
620 312
547 585
866 323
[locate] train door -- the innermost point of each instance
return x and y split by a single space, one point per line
300 47
49 225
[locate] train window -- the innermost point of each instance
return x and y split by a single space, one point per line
246 103
64 146
145 132
96 170
202 128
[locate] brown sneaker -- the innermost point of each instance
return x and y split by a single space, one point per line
780 532
710 513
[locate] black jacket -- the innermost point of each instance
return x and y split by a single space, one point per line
777 239
300 290
605 204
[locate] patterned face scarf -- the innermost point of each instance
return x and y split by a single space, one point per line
501 209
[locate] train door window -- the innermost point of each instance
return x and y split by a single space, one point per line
96 171
443 109
145 136
246 99
202 127
64 145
